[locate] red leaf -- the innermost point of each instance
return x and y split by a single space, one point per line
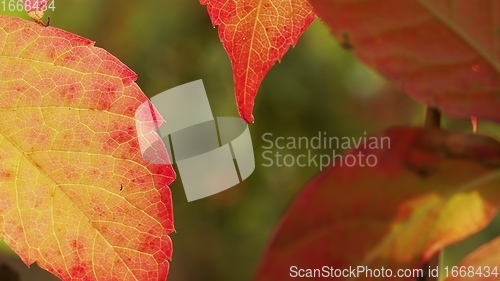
256 34
76 195
427 190
481 265
443 53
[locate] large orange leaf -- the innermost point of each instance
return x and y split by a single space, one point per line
428 189
256 34
76 195
445 53
481 265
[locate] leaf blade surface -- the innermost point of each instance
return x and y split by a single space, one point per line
76 195
445 54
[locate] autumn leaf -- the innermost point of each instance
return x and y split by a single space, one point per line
481 265
76 195
256 34
443 53
427 189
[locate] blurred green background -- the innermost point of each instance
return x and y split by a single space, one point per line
318 86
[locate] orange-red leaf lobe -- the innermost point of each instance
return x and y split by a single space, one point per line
256 34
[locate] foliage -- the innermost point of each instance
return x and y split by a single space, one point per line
444 56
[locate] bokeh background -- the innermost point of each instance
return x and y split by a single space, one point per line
318 87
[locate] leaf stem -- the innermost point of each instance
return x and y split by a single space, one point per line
432 118
434 262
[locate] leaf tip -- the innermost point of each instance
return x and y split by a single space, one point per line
247 117
473 119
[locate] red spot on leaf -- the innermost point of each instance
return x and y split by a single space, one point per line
118 137
148 242
20 87
79 271
51 53
103 94
5 175
71 174
99 211
140 180
76 245
71 93
39 136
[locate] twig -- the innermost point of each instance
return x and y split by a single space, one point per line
432 118
432 267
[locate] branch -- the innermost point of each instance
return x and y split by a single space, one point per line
432 118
